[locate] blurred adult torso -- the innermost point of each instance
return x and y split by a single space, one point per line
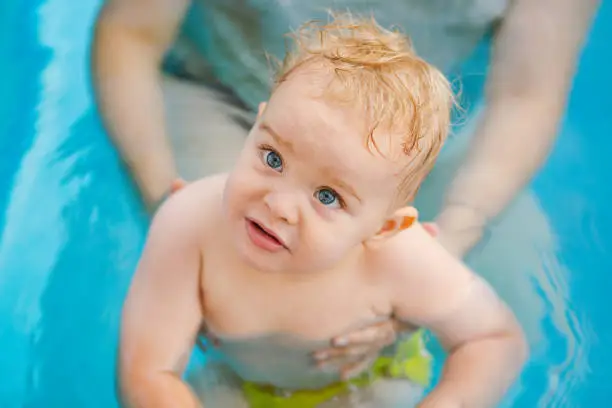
229 41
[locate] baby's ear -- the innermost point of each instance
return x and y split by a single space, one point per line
261 109
401 219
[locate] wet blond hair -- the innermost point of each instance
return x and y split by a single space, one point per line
379 70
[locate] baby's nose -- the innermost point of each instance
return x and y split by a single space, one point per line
284 206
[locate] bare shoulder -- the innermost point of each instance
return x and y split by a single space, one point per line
420 274
205 190
414 253
195 206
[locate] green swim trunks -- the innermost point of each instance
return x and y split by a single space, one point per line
411 361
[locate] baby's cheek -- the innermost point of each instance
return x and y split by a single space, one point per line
245 183
315 238
338 237
232 190
326 214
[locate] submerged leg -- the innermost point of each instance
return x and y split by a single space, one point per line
382 393
217 387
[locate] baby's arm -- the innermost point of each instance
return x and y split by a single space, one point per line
162 313
486 345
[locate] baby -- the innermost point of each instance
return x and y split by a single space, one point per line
310 236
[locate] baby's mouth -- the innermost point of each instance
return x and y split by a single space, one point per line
267 233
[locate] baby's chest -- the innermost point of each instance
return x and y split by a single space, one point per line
239 304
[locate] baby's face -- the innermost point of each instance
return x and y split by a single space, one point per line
306 190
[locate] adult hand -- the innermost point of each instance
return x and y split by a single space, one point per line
353 352
460 228
175 186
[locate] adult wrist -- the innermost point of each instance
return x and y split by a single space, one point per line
174 186
154 183
460 216
461 227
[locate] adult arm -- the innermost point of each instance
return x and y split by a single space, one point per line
131 37
534 60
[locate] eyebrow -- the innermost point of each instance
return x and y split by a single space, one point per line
285 143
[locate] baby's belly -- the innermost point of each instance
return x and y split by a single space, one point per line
279 360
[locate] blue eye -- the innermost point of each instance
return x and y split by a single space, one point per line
327 197
273 160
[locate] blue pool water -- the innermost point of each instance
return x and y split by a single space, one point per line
71 227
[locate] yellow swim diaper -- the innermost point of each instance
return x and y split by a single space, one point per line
411 361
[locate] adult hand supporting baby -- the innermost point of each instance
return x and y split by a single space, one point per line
176 185
353 352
